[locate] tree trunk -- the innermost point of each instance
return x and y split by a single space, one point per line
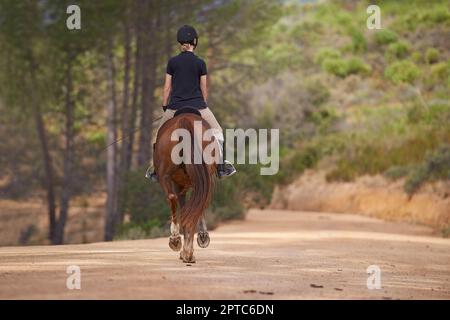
66 191
148 86
48 162
125 118
111 201
136 85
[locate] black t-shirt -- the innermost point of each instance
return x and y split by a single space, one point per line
186 70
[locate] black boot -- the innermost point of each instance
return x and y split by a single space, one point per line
225 169
151 174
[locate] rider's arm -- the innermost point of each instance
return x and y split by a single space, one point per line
167 89
204 87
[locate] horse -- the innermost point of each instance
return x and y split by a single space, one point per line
177 179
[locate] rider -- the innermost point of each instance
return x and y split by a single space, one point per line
185 86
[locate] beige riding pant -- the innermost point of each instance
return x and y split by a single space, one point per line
209 117
205 113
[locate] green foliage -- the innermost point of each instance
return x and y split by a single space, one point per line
436 166
318 92
402 71
431 55
336 66
359 43
389 150
357 66
342 67
143 230
397 50
326 53
385 36
446 232
297 161
416 57
143 201
439 74
227 200
396 172
97 138
421 13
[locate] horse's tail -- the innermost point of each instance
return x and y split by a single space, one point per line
202 183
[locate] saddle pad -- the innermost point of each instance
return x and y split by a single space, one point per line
187 110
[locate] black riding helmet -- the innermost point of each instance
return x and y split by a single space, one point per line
187 34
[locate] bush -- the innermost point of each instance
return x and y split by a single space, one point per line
326 53
397 50
343 68
357 66
402 71
431 55
336 66
359 43
437 15
318 92
397 172
416 57
436 166
385 36
439 73
144 201
297 161
135 231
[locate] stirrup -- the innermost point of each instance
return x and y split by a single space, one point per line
225 169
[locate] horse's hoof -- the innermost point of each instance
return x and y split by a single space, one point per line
187 258
203 239
175 243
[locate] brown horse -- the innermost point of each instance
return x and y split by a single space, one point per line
177 179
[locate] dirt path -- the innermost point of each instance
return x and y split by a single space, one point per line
271 255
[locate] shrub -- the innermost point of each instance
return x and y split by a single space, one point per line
402 71
336 66
143 201
437 15
326 53
343 68
359 43
397 50
396 172
416 56
318 92
436 166
143 230
356 65
431 55
385 36
297 161
439 73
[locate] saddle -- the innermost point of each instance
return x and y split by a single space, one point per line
187 110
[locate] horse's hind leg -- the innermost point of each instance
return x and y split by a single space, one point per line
175 238
202 235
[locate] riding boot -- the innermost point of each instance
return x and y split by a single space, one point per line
224 168
150 173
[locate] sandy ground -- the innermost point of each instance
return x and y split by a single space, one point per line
430 205
273 254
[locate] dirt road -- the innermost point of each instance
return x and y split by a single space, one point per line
271 255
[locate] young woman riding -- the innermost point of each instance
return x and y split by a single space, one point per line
186 86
